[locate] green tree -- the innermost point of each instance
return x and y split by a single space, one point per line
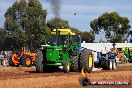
26 21
36 24
77 31
58 23
116 28
2 38
88 37
130 40
14 24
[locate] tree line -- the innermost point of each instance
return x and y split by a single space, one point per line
25 25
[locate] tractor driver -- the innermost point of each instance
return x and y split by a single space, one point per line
65 43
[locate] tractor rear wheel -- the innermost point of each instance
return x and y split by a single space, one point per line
86 60
26 60
39 61
74 63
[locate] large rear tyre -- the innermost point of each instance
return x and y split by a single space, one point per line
26 61
74 63
39 62
86 60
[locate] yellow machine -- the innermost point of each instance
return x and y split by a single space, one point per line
63 32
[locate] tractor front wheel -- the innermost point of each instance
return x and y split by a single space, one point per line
66 67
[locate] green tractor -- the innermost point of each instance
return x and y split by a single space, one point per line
64 52
128 54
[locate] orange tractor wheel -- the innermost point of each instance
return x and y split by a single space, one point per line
26 60
14 60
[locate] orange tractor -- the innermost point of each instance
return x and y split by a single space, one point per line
24 58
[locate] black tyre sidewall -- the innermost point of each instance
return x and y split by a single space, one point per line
83 60
74 63
65 66
23 60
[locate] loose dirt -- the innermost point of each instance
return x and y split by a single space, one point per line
23 77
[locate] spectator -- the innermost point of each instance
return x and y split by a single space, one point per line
114 53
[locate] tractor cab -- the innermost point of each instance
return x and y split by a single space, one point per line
64 36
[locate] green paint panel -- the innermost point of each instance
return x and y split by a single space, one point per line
55 55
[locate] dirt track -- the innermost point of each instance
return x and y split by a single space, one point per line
18 77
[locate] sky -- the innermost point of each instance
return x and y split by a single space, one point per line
86 11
